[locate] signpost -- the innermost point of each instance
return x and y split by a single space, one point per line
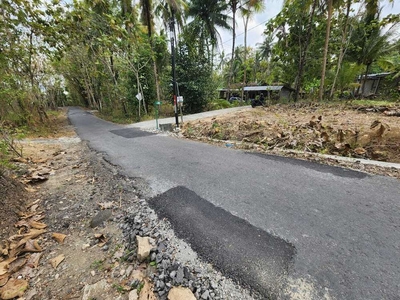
180 103
139 97
157 106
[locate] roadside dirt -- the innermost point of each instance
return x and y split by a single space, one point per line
302 130
58 229
69 228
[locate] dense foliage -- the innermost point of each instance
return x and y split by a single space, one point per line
101 54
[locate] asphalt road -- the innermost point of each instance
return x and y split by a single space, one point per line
285 227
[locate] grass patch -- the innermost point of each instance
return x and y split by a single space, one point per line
378 102
114 118
55 125
118 288
97 265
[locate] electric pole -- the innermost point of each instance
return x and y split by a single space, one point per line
174 86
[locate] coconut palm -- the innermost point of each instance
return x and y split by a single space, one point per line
233 5
369 44
248 9
168 9
265 48
208 16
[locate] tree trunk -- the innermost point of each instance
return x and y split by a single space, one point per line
146 11
234 6
246 23
303 54
157 82
328 33
364 80
342 49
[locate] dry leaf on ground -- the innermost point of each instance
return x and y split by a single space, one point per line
37 225
30 189
34 233
32 246
5 264
13 288
16 265
4 279
57 260
106 205
33 203
59 237
33 260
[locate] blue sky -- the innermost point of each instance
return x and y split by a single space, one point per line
272 8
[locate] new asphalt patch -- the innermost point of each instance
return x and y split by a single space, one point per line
337 171
130 133
235 247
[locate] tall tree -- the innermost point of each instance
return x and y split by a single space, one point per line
329 4
248 9
208 16
233 5
147 18
370 44
305 7
303 53
343 44
165 8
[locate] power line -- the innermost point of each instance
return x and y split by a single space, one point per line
262 23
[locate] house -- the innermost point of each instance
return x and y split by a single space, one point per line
371 84
274 92
223 93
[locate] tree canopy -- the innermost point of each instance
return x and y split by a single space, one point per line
102 54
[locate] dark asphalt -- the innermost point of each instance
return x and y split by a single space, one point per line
344 225
234 246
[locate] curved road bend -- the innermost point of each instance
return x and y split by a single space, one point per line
284 227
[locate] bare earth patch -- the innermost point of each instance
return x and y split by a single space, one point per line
304 130
74 196
70 222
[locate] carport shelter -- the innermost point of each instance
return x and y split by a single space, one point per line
274 92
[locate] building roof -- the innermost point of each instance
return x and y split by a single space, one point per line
225 90
264 88
375 76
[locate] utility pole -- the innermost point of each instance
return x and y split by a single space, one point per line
174 86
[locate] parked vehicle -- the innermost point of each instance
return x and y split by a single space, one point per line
232 99
260 101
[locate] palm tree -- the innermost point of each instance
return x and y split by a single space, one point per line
376 46
208 16
265 48
248 9
166 8
310 9
233 5
370 43
147 19
264 51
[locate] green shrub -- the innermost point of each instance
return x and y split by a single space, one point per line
8 147
219 104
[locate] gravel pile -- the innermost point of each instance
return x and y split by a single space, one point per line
173 262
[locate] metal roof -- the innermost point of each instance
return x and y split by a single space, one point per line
374 76
264 88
